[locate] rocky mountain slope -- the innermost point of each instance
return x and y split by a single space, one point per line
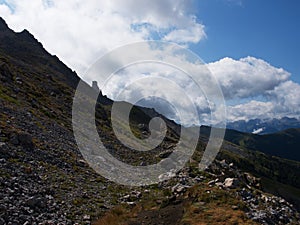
45 180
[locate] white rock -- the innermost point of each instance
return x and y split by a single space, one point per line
231 182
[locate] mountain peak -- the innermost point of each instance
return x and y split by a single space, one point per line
28 36
3 25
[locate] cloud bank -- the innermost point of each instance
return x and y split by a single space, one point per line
264 90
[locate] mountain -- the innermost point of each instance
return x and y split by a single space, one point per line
45 180
264 126
283 144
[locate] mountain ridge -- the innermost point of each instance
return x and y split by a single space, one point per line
24 47
264 126
283 144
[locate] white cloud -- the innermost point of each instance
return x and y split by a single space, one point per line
4 10
287 98
162 81
79 32
194 33
250 110
246 77
266 91
282 101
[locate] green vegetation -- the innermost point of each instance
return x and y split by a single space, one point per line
5 95
283 144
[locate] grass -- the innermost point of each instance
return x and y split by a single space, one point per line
5 96
214 206
219 215
200 205
287 191
119 215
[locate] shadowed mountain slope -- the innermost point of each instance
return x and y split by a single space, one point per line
283 144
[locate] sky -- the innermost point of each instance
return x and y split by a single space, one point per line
250 46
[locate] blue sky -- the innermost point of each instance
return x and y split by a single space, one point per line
268 29
252 47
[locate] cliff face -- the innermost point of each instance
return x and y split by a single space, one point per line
44 178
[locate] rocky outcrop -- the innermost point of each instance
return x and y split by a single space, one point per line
95 86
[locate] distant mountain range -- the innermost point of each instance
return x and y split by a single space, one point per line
283 144
264 126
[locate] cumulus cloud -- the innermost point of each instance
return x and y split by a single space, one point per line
250 110
266 91
287 98
79 32
282 101
246 77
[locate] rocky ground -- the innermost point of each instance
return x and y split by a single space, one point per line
190 194
44 180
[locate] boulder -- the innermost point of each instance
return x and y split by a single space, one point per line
231 183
